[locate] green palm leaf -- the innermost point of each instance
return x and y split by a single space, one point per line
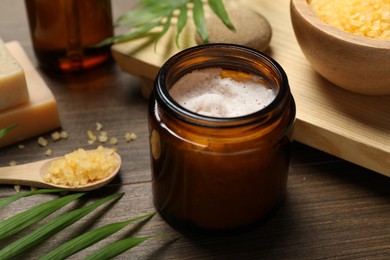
50 228
199 20
132 34
165 28
89 238
9 200
181 22
31 216
141 17
219 9
116 248
151 13
148 11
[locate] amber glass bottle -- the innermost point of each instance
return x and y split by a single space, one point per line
219 174
63 32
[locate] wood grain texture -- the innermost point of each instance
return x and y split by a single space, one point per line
333 209
351 126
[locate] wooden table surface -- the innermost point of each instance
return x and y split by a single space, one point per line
333 209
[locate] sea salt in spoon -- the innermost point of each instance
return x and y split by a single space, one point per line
31 174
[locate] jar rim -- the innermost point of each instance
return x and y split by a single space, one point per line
161 92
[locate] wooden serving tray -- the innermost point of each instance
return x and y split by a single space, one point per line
350 126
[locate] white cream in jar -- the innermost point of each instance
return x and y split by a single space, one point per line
221 93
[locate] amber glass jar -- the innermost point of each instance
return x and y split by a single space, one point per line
219 174
63 32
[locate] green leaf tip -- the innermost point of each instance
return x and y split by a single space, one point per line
4 131
199 20
219 9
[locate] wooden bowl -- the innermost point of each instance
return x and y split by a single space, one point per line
353 62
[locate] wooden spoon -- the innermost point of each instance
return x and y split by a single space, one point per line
31 174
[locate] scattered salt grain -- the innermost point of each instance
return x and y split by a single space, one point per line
42 141
12 163
64 134
17 188
48 152
55 136
113 140
103 137
99 126
130 136
91 136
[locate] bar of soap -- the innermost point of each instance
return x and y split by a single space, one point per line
13 87
39 114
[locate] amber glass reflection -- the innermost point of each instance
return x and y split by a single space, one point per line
63 32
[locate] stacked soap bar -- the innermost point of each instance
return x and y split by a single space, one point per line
13 87
30 106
